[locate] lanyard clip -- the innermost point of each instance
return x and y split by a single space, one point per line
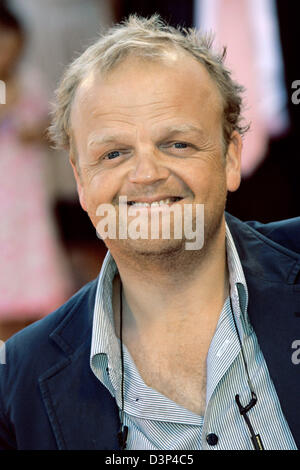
255 438
243 410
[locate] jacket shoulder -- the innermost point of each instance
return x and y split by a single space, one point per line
33 346
29 354
283 235
284 232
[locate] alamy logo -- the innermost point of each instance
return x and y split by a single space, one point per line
2 352
296 354
152 222
296 94
2 92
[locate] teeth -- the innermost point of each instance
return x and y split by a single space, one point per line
162 202
140 204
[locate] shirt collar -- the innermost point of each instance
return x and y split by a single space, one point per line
104 339
238 286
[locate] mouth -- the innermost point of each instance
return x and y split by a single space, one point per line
154 202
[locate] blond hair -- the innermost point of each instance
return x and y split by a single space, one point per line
148 38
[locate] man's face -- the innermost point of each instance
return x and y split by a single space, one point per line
153 131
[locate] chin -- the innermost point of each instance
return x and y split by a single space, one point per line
149 248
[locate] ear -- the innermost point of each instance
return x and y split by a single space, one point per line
233 162
80 188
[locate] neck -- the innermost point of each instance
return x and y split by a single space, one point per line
160 290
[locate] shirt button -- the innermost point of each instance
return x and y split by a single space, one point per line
212 439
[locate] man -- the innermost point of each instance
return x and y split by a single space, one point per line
171 347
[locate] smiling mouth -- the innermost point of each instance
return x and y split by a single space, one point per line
157 203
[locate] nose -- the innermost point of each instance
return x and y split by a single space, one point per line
147 169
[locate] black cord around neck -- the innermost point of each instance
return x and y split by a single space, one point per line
123 432
255 438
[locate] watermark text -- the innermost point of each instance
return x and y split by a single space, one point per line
296 353
2 352
2 92
152 222
296 94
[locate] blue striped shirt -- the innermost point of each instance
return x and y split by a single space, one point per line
157 423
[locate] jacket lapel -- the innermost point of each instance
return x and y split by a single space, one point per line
274 299
82 413
272 311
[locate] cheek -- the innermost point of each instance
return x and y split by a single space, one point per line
206 181
101 189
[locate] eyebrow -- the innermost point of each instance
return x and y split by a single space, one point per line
184 128
169 131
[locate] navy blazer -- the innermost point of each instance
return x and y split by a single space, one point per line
50 398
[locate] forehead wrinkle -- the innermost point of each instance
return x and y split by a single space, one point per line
166 131
156 116
121 111
141 105
105 139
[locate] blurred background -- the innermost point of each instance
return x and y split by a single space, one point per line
57 250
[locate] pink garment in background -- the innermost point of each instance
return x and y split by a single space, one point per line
233 30
249 29
33 278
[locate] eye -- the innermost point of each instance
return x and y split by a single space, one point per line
171 146
180 145
112 155
117 154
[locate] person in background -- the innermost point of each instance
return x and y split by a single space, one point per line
57 31
33 277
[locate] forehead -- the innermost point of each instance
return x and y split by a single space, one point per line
138 88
